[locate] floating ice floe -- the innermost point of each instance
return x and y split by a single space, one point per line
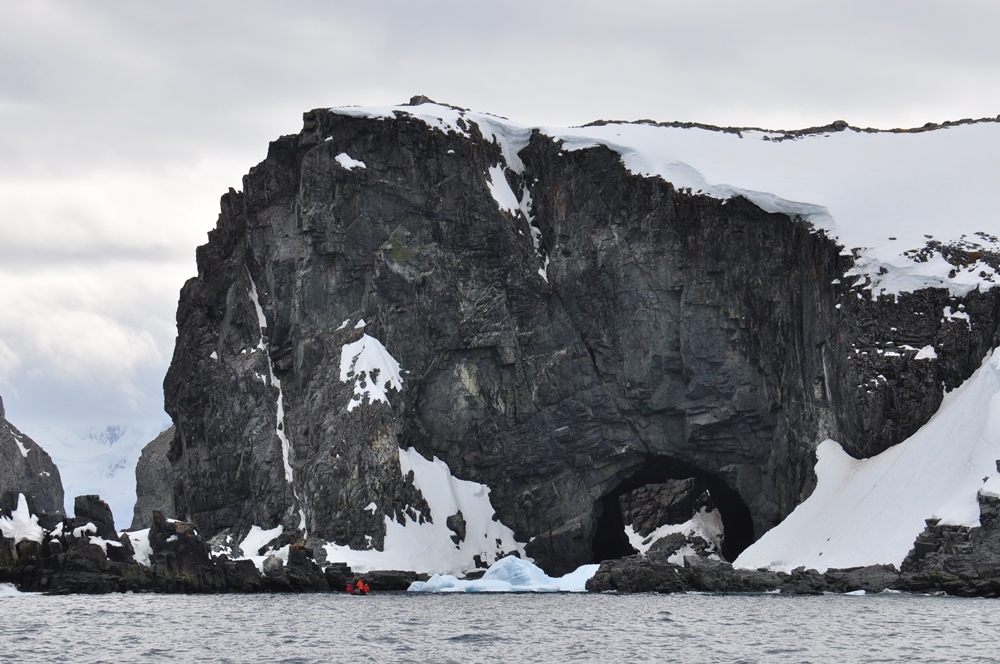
509 575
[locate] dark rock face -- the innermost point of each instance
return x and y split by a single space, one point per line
154 482
674 336
27 468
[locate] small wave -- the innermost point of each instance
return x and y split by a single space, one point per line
473 638
8 590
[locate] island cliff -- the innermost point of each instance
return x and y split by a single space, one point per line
566 331
25 468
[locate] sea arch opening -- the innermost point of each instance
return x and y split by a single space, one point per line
610 540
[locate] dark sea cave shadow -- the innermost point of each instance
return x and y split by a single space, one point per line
611 542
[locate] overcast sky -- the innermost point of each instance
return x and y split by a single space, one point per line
122 123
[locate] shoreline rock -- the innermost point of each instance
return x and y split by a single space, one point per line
81 555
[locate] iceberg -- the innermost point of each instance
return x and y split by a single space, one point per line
509 575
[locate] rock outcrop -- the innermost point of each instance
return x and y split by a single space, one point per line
154 482
84 554
567 332
25 468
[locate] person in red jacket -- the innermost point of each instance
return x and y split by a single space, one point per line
350 588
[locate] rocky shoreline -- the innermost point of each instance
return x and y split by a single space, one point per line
642 574
952 560
84 555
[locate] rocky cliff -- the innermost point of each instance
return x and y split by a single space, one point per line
25 468
546 322
154 482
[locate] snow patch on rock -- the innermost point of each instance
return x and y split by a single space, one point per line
428 547
373 370
346 161
21 525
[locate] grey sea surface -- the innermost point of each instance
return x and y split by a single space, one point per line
408 627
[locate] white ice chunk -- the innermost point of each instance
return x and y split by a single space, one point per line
86 529
428 547
510 574
705 524
261 319
949 316
256 539
103 543
926 353
141 546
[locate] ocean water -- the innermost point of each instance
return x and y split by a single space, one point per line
401 627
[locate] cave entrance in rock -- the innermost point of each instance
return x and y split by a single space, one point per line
687 486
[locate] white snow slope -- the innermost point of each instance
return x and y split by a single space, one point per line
883 196
869 511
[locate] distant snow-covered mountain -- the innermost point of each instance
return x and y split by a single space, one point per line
98 460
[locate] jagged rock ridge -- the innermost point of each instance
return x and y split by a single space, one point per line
25 468
568 332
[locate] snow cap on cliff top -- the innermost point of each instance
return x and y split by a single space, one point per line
883 195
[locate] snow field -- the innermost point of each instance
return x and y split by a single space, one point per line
870 511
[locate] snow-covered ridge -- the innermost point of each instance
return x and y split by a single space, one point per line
912 206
